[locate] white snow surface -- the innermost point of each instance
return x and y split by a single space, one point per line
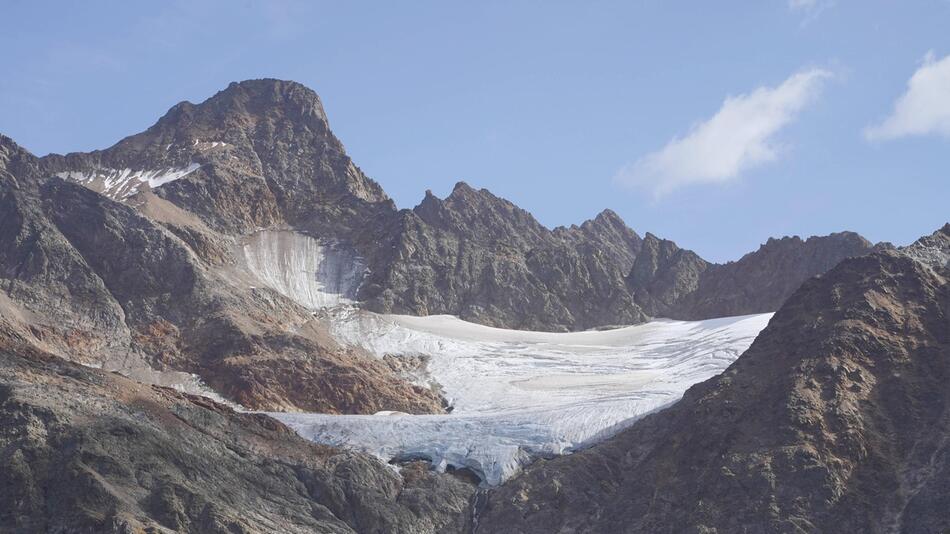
517 395
314 274
120 184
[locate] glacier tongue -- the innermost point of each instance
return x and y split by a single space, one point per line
300 267
517 394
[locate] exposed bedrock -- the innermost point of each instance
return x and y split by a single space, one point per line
82 450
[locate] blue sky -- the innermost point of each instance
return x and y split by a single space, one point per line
715 124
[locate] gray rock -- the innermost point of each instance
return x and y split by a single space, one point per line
671 282
82 450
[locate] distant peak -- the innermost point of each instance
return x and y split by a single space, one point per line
609 217
10 151
466 193
607 214
266 93
254 98
8 145
462 187
784 239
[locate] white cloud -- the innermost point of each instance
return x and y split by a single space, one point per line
738 137
924 108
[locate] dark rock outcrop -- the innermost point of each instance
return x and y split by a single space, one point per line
671 282
663 275
486 260
82 450
836 419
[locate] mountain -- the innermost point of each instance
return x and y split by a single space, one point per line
149 286
102 283
663 275
260 154
485 260
676 283
836 419
205 245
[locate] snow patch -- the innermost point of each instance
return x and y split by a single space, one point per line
517 395
313 274
120 184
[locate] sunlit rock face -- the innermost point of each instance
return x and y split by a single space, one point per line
313 274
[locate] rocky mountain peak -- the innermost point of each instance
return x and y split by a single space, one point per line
461 189
933 250
663 274
243 104
480 215
608 216
257 154
15 160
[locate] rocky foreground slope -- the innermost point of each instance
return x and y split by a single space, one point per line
82 450
836 419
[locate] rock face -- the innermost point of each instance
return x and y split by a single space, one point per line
664 275
835 420
266 157
486 260
676 283
82 450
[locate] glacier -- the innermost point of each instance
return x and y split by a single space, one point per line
314 274
518 395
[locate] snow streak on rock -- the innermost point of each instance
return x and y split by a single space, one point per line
120 184
517 394
302 268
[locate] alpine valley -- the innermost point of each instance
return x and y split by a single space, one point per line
221 324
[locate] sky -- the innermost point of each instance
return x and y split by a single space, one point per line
714 124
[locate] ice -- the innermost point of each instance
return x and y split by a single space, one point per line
120 184
517 394
314 274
